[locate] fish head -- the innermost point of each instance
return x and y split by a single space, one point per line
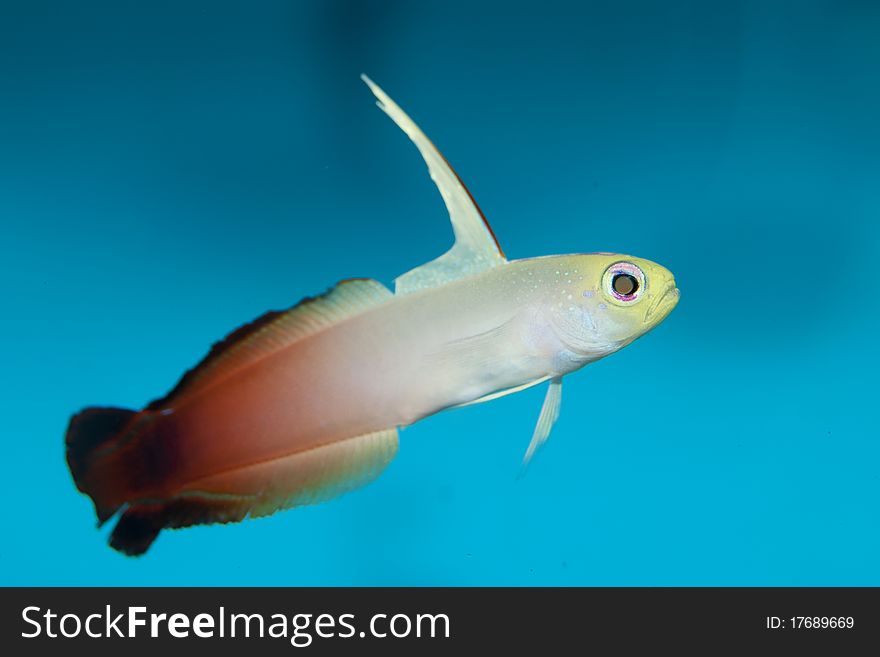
601 302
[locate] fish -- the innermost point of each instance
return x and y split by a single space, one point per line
302 405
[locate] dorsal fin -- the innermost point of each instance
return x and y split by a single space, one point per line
475 248
276 330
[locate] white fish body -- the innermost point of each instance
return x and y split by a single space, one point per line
303 405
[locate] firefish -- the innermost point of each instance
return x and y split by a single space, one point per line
302 405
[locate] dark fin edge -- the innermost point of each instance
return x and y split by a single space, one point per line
88 431
217 350
140 524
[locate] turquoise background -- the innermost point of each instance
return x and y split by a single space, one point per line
170 170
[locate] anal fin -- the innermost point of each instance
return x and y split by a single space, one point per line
260 489
308 477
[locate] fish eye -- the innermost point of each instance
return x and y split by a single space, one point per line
624 282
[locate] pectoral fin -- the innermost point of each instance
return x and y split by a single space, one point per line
546 420
475 248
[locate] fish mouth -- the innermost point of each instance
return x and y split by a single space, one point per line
663 304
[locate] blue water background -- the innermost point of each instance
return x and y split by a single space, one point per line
170 170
